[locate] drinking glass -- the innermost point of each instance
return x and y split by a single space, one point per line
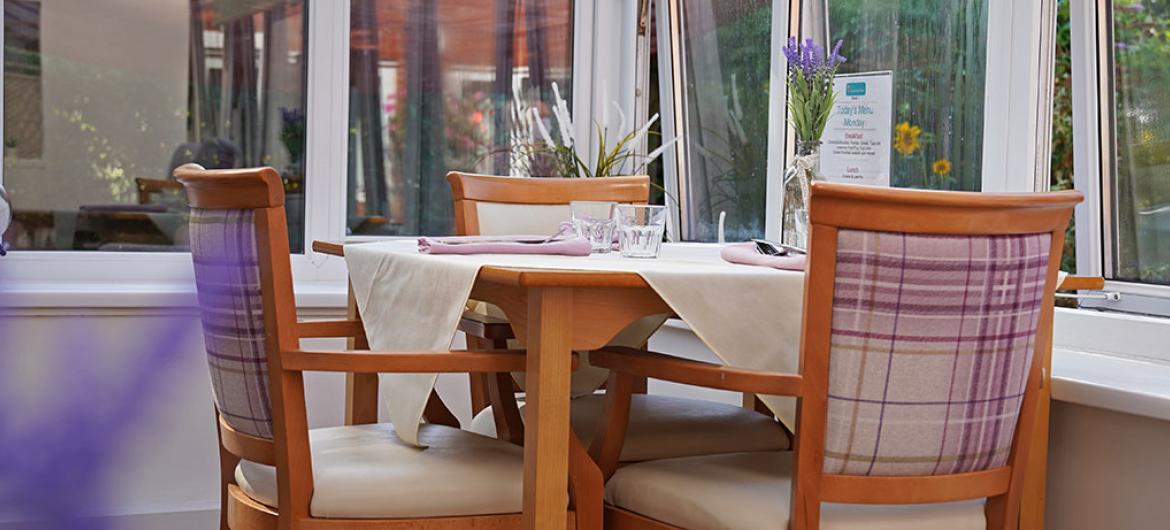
593 220
640 230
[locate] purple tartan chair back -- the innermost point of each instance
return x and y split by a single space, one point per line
932 340
227 277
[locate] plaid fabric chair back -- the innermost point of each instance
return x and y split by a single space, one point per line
931 343
227 277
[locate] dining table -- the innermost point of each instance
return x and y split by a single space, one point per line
748 316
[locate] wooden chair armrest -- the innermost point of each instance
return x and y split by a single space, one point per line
324 329
330 248
456 361
644 363
1078 283
485 326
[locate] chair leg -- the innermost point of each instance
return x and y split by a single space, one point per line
478 383
509 423
586 487
1000 513
227 476
606 447
436 412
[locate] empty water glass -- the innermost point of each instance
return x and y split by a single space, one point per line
593 220
640 230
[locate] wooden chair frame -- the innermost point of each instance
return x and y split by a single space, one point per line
261 190
835 207
483 331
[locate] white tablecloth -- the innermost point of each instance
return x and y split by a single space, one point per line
749 316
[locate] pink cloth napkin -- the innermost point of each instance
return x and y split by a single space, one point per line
746 254
571 246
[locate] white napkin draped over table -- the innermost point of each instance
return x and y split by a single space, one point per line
749 316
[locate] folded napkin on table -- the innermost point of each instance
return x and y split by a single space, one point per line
569 246
746 254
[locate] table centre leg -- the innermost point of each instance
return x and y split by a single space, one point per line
546 436
361 390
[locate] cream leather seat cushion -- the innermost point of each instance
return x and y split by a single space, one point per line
750 491
669 427
365 471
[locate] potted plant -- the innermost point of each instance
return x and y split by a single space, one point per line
10 145
540 153
810 101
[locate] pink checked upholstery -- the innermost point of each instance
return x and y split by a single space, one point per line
227 277
932 337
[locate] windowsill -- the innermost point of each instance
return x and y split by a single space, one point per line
1094 372
152 295
1090 367
1112 383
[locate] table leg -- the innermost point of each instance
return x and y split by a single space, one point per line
361 390
1033 502
546 436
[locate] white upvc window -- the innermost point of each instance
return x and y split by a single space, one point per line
1121 124
972 81
338 95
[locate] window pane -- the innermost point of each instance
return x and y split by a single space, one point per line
432 86
938 54
1141 226
727 46
102 100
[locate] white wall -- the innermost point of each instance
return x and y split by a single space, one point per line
168 461
1107 470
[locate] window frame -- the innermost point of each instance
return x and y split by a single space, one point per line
123 279
1016 137
1095 159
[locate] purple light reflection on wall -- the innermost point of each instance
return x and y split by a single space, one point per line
59 443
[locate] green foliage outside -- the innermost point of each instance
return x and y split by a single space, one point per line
1142 80
733 155
1062 138
937 52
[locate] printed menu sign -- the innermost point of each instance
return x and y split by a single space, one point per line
855 148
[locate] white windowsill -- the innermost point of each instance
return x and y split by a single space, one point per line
1091 366
1112 383
1093 372
144 295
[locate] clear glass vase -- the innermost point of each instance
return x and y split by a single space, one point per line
805 168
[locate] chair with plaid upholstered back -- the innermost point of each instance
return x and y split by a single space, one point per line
927 325
660 426
336 477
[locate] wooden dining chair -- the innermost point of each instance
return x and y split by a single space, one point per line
927 317
278 473
662 426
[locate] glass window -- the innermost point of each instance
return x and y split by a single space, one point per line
726 48
432 89
937 52
1141 184
96 119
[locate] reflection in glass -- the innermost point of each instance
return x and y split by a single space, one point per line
432 87
1141 32
727 46
938 54
96 120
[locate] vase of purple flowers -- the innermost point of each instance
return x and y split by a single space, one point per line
810 100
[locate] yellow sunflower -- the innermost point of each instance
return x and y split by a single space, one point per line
941 167
906 138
